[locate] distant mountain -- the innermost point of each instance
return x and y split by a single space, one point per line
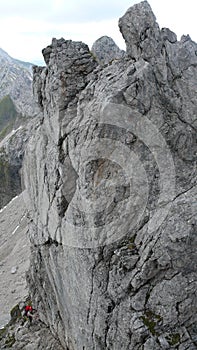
16 82
8 112
17 108
4 54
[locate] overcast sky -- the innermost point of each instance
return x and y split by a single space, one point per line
27 26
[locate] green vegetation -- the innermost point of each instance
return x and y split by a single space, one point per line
173 338
10 340
3 332
151 320
8 112
150 324
15 313
131 244
132 239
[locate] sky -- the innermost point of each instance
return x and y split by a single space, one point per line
27 26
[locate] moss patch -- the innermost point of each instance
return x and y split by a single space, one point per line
3 332
10 340
15 313
131 245
132 239
150 324
151 320
173 338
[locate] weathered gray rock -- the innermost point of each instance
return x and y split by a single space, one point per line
141 32
105 50
111 180
14 256
18 335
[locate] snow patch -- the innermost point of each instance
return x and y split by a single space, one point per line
3 142
14 269
15 229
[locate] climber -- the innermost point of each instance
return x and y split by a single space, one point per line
29 312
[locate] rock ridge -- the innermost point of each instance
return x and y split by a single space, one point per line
111 180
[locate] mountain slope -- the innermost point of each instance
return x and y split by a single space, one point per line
17 108
12 149
8 115
16 81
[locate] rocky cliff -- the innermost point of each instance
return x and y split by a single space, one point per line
111 179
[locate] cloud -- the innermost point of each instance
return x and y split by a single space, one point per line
27 26
23 8
63 10
88 10
179 16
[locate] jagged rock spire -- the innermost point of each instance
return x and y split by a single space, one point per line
106 50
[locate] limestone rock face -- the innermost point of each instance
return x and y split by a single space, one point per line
141 32
111 180
14 256
105 50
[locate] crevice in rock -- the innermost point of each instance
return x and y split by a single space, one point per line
181 193
62 206
50 242
60 146
91 294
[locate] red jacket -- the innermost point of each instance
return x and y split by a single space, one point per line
28 308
